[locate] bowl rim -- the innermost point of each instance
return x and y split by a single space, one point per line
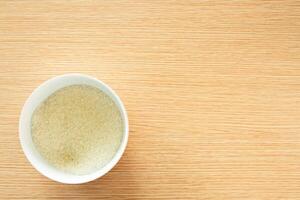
45 168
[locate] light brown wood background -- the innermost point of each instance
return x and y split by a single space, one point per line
212 90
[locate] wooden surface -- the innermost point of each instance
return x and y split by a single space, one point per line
212 90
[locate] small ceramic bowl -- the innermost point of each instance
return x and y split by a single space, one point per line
38 96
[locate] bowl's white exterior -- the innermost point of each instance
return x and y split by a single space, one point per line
38 96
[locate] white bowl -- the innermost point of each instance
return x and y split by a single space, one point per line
38 96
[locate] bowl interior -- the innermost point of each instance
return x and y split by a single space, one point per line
38 96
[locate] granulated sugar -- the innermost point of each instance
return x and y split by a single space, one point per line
78 129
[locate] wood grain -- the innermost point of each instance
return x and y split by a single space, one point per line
212 90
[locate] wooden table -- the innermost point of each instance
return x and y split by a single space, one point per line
212 90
